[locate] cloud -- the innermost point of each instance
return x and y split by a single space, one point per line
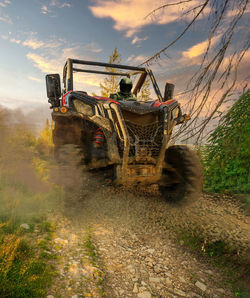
4 3
45 9
138 39
59 4
44 64
6 19
13 40
34 43
54 3
34 79
136 59
130 15
93 47
193 55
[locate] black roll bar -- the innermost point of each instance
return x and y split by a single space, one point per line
69 69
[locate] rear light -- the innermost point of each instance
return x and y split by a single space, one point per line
63 110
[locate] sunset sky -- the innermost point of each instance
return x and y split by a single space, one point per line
37 36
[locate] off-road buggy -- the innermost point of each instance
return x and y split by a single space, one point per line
131 137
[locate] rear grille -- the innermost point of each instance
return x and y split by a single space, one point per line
145 140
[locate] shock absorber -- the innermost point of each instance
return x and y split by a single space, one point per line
98 144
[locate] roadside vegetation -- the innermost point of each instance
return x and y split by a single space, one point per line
226 156
26 197
225 160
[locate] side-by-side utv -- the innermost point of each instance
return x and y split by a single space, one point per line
130 136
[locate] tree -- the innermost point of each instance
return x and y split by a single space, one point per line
44 141
219 66
145 91
111 83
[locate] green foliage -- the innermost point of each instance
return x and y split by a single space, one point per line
111 83
226 157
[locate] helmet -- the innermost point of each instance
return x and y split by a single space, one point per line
126 85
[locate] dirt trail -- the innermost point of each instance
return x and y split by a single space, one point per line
132 232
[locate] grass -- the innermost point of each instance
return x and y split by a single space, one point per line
26 267
23 273
93 256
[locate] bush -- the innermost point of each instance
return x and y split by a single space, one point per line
226 157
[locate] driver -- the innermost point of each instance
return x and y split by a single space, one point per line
125 91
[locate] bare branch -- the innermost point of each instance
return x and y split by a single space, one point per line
166 5
183 32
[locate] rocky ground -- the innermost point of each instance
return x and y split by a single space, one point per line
117 242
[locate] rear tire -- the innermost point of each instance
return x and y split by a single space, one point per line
182 176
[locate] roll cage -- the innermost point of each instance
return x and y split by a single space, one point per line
69 69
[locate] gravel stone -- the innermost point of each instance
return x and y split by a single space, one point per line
25 226
144 295
154 279
201 286
135 289
180 292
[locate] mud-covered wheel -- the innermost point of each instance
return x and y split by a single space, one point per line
182 176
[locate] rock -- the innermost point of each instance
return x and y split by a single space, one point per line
143 271
50 296
157 269
168 281
144 295
209 272
220 290
151 250
61 241
182 279
135 289
201 286
74 296
143 283
121 292
180 292
25 226
154 279
142 289
192 294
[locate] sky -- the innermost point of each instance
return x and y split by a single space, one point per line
37 36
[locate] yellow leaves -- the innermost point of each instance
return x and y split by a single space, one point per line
8 252
41 167
33 278
24 268
3 225
44 143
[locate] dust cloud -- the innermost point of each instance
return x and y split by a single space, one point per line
90 198
23 187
